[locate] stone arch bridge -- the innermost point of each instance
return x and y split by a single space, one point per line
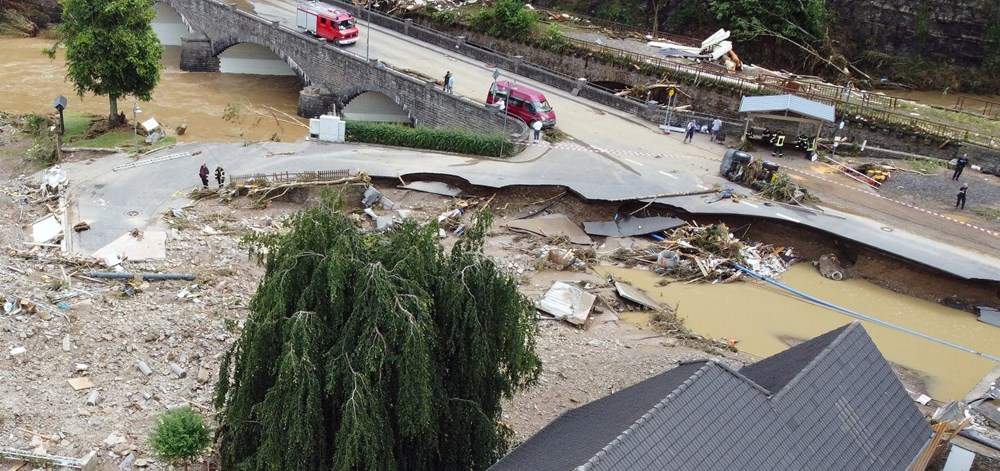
333 77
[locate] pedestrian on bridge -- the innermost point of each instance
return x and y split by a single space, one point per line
450 85
447 81
220 175
203 173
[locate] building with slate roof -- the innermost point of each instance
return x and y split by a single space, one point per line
831 403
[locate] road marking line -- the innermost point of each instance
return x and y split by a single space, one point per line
637 163
787 217
669 175
749 204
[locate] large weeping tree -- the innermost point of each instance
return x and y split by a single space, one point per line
374 351
111 48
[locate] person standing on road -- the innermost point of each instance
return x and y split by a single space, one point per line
689 132
536 127
220 175
960 165
961 196
203 173
779 144
450 84
447 80
716 127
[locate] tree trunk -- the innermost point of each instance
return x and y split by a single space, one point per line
113 103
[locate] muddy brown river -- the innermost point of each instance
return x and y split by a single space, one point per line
761 318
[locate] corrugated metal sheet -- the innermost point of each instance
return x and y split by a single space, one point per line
799 105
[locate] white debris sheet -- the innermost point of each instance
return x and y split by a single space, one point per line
567 302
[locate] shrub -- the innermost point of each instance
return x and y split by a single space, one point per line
506 19
446 140
180 436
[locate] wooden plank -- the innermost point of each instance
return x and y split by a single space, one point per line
82 382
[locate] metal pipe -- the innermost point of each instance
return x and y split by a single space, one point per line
862 316
145 276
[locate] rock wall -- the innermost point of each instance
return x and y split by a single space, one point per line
948 30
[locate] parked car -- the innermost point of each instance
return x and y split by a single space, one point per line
523 102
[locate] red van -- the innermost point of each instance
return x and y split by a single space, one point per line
523 102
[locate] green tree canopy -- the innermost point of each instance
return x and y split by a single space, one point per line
180 436
374 351
111 48
802 23
506 19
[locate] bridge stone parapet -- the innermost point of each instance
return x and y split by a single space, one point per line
333 76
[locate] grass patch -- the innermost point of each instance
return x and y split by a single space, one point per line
926 166
987 212
446 140
76 124
108 140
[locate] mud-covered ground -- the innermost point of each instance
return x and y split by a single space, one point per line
109 332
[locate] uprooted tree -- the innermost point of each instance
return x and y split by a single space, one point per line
373 351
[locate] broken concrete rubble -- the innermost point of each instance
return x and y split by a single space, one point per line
567 302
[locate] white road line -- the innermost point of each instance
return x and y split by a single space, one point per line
703 187
667 174
787 217
750 204
637 163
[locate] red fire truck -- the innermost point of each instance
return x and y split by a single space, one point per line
324 21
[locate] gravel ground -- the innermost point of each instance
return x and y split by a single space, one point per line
983 189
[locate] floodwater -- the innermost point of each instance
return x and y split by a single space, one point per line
764 318
945 100
268 102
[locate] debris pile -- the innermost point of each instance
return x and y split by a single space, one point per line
705 253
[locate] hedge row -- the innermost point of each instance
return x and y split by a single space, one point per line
445 140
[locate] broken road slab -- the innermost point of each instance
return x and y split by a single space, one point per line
151 246
436 188
628 292
629 226
550 226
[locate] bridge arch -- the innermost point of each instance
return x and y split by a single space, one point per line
375 109
222 43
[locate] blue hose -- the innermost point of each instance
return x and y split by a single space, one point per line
862 316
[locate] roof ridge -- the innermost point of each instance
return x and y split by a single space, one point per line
854 325
659 405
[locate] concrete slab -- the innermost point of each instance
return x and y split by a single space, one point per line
46 229
628 292
567 302
436 188
631 226
152 246
552 225
988 315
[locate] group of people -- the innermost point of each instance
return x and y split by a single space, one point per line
693 127
220 175
449 82
959 166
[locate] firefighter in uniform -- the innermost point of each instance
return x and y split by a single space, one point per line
779 144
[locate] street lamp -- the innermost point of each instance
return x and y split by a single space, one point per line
843 119
135 129
368 39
